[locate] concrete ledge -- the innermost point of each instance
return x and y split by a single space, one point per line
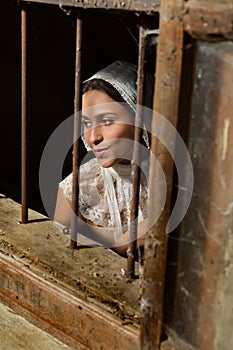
44 281
17 333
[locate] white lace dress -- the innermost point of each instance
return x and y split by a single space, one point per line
105 195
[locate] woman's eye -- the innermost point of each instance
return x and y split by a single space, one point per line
86 124
107 121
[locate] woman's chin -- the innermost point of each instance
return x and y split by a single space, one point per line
107 163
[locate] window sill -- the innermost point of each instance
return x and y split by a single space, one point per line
79 296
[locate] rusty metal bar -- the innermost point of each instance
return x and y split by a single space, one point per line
24 165
77 131
148 6
136 171
166 100
203 19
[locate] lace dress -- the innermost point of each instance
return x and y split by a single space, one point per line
105 195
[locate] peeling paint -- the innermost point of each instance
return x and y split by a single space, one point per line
146 306
184 290
226 212
225 138
229 209
205 229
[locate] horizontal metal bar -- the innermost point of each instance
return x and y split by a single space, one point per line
201 19
147 6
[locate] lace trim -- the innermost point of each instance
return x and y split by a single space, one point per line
107 210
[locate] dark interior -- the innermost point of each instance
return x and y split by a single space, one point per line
107 36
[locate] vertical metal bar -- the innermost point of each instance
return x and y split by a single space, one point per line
136 171
24 166
166 101
77 131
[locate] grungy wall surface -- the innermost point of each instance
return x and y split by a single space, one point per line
204 314
224 336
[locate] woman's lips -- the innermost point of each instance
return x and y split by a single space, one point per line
100 152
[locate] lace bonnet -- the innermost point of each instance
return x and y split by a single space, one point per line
123 77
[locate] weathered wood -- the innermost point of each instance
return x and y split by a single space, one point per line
73 294
183 127
148 6
167 87
17 333
79 321
204 19
203 308
175 343
209 20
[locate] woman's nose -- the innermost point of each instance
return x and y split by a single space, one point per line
95 136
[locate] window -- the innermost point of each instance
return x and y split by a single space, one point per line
182 270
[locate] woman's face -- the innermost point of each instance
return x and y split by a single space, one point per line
108 128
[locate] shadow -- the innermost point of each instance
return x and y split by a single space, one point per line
34 220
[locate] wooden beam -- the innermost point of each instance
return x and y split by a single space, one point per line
209 20
71 294
203 315
166 101
148 6
70 318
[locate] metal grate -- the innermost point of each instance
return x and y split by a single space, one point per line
144 34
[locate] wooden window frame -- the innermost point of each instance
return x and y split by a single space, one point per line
176 18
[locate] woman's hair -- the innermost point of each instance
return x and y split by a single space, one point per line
105 87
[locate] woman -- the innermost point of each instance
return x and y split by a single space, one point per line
105 185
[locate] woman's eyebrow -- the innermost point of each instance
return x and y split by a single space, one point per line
84 116
100 115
